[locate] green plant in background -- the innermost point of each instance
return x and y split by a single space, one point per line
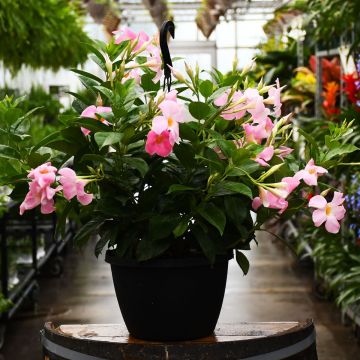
5 304
49 106
41 33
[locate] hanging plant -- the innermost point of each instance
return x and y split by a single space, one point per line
158 10
209 14
41 33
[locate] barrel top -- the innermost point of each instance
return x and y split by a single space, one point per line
118 334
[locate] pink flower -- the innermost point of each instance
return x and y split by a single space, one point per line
269 200
274 97
259 112
330 213
159 144
311 173
171 95
255 133
73 186
234 112
91 111
283 151
275 198
132 74
154 62
38 195
173 114
265 155
127 34
44 175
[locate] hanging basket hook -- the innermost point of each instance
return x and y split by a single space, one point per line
167 26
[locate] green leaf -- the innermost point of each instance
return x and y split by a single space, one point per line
243 262
161 226
138 164
88 229
107 138
233 211
314 145
105 91
147 83
149 248
47 140
228 148
230 187
339 151
206 243
36 159
108 233
186 154
178 187
247 167
92 125
214 215
206 88
8 152
199 110
87 74
182 226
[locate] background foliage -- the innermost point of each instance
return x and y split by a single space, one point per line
41 33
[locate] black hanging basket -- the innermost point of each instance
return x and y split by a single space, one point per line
169 299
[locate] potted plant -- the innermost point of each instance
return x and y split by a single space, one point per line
169 180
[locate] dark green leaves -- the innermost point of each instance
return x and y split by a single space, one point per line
199 110
206 88
214 215
230 187
243 262
88 229
107 138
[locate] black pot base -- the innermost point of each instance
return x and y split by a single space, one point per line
161 302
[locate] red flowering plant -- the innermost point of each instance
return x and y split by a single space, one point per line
177 173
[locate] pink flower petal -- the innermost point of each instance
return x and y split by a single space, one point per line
256 203
319 217
159 124
338 198
318 202
339 212
332 225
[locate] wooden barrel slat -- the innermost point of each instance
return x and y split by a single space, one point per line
250 341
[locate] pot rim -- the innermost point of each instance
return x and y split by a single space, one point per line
191 261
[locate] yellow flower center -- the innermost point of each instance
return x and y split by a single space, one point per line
170 122
328 210
44 171
312 171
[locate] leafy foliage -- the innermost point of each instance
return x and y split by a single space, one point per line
41 33
196 200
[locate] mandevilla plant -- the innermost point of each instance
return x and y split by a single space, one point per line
179 173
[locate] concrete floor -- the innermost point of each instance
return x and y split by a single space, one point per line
276 289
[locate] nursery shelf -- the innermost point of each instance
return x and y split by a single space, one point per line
28 247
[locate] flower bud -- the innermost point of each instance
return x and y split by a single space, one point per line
99 101
248 67
189 70
177 74
325 192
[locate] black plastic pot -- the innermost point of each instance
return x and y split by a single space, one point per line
169 299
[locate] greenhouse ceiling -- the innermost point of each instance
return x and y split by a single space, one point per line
187 10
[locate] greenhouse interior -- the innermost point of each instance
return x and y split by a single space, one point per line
179 179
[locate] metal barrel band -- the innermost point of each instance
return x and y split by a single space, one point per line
288 351
280 354
65 352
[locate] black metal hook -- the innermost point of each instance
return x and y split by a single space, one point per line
167 26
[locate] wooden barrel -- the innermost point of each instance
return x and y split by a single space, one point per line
245 341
